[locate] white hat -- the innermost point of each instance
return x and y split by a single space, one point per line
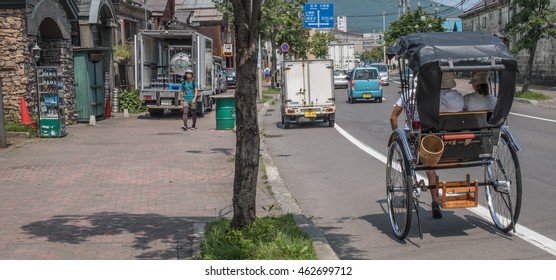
448 80
478 78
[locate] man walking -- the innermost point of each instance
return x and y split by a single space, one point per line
188 98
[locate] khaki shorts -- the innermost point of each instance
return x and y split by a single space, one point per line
191 105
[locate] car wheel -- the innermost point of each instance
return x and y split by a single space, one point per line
287 125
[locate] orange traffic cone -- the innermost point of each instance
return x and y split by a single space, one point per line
107 110
25 118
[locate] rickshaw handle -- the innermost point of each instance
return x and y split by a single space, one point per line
493 66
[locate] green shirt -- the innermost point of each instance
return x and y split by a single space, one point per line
189 90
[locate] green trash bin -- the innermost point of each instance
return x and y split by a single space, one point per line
225 112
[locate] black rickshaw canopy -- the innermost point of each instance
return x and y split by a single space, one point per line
430 54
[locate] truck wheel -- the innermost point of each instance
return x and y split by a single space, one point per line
287 125
331 123
200 109
210 102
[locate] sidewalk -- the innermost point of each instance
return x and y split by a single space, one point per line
127 188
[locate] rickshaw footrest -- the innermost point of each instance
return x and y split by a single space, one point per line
456 194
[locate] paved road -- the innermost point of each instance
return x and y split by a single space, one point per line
342 188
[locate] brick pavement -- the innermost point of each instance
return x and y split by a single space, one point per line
127 188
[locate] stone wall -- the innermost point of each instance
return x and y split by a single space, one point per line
543 71
15 61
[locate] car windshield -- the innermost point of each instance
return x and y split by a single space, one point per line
230 72
366 74
380 67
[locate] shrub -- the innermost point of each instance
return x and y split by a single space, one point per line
130 100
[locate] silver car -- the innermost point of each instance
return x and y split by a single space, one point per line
383 70
340 79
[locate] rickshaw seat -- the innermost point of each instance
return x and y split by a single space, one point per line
465 120
467 135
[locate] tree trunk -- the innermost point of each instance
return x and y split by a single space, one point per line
273 56
528 69
247 15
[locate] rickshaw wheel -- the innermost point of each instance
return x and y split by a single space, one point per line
398 190
503 201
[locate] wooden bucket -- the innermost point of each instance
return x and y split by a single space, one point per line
431 149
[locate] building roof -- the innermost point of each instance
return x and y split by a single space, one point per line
481 5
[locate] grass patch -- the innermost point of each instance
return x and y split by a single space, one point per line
531 95
231 158
269 238
17 127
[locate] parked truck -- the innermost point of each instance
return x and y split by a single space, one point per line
307 91
162 56
343 56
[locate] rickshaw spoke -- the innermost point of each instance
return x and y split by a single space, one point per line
398 191
504 191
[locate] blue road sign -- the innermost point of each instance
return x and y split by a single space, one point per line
319 16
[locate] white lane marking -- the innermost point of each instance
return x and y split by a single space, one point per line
533 117
522 232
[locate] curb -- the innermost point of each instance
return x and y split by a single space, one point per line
526 101
288 203
17 134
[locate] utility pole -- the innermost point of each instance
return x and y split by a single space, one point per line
383 39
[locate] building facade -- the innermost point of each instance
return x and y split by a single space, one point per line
27 25
492 16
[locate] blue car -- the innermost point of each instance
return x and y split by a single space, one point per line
365 83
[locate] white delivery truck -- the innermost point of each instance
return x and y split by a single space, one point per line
343 56
162 56
307 91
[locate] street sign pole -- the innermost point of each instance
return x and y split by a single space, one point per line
3 141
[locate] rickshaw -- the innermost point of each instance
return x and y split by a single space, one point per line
434 140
